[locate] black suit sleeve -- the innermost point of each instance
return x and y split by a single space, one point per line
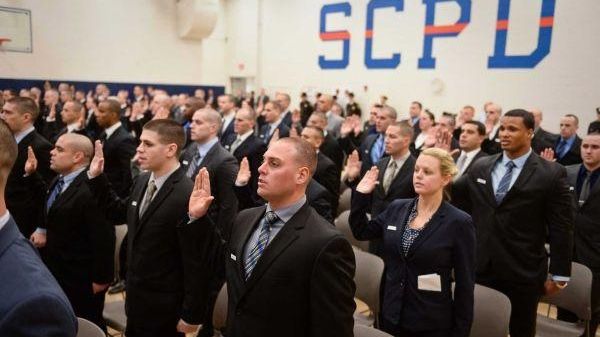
332 291
322 205
228 204
125 153
195 262
42 153
559 217
109 202
103 241
464 273
362 228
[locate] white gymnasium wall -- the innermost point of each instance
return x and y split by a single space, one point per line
118 41
566 81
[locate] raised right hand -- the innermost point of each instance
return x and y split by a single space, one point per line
548 154
369 181
97 163
244 173
347 127
353 166
200 199
31 163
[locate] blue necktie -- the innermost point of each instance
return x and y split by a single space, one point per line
377 150
504 185
55 192
263 239
267 133
560 149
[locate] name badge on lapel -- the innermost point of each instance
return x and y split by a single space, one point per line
185 162
481 181
227 147
134 203
392 228
571 188
233 257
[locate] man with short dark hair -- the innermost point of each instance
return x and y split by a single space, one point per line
71 116
471 137
272 114
227 110
166 289
33 305
542 139
284 100
25 205
118 146
329 146
285 263
502 193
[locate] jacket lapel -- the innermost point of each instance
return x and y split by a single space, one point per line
69 192
280 243
432 226
528 169
488 184
402 174
243 236
164 191
137 197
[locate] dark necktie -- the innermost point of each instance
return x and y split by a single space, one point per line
102 137
504 185
267 133
585 188
150 191
263 240
56 191
560 149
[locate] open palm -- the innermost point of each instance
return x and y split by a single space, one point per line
200 199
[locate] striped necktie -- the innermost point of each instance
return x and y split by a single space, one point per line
56 191
263 240
504 185
193 168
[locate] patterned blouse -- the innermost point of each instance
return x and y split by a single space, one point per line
409 235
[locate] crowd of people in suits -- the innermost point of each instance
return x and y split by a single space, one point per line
244 190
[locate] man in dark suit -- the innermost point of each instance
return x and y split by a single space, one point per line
247 145
467 113
118 146
567 146
306 109
326 173
289 272
317 196
165 286
505 191
71 116
330 146
227 110
284 101
272 115
78 242
395 173
414 111
491 144
542 139
25 205
471 137
33 305
585 190
207 152
372 149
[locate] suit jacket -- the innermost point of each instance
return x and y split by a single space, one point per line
587 222
573 156
317 196
401 187
542 140
222 168
164 280
284 131
479 154
331 148
118 149
365 153
511 235
446 245
492 146
228 136
32 302
287 118
302 284
80 241
252 148
26 206
328 175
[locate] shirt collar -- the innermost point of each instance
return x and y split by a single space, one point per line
111 129
471 153
570 140
519 161
400 161
245 136
204 148
275 124
68 179
286 213
72 127
4 219
19 136
160 181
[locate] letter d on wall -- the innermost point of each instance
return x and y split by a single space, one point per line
501 60
340 35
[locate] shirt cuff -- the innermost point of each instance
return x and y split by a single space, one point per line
40 230
240 185
557 278
191 219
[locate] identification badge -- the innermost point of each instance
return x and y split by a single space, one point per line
134 203
233 257
481 181
430 282
185 162
392 228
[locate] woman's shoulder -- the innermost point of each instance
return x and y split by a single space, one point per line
456 214
401 203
